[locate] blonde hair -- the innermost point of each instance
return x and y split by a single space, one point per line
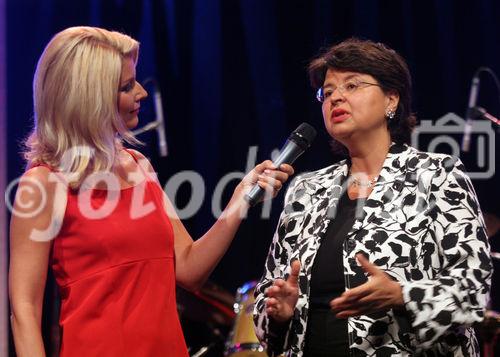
78 128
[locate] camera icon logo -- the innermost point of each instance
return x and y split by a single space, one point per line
448 130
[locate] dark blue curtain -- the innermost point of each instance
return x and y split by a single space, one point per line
233 75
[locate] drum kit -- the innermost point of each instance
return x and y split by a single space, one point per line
490 326
215 323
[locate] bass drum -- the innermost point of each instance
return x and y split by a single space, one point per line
242 341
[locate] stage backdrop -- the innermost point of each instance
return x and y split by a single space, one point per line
232 75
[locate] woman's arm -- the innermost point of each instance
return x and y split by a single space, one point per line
29 260
195 260
272 331
457 296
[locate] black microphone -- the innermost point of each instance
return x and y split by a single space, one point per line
295 145
474 89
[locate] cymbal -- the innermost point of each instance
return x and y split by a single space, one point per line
211 304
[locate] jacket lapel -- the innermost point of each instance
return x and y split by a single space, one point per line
325 190
391 181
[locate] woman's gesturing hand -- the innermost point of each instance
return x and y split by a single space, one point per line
267 176
380 293
282 296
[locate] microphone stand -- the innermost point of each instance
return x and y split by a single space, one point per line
478 112
148 127
474 112
205 349
158 123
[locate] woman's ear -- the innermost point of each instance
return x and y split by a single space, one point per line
392 100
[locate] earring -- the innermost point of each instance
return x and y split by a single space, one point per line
390 113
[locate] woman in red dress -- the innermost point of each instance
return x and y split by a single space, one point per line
106 228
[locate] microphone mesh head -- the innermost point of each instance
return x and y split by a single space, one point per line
303 135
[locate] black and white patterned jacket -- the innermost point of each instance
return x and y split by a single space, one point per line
422 225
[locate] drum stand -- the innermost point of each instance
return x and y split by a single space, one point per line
201 352
218 337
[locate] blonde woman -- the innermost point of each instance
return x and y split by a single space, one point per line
106 229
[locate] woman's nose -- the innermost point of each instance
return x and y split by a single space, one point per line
336 97
142 93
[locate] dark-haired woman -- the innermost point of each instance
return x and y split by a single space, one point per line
384 253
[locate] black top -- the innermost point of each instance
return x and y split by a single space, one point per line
327 335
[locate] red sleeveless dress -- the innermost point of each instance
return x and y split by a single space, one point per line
116 276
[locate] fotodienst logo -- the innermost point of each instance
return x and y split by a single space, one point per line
448 131
26 197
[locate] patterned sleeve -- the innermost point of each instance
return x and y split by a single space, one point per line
456 294
271 334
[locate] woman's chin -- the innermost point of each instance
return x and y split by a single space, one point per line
339 133
132 123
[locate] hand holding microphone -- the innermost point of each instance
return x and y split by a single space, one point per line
267 177
297 143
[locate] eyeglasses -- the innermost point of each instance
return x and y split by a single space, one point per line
345 89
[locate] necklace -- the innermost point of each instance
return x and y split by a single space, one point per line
362 183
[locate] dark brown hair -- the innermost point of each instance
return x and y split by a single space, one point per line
382 63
